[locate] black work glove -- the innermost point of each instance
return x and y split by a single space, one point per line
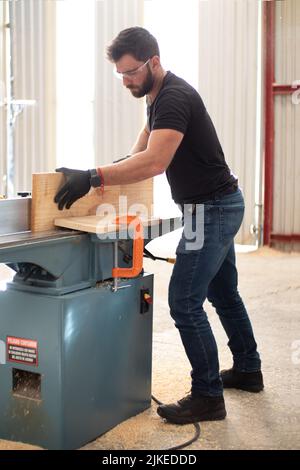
77 185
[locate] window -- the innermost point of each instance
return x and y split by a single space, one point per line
75 83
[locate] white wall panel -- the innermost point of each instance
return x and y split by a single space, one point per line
2 97
287 41
286 209
33 47
228 61
118 115
286 216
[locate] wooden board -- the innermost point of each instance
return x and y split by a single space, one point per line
95 224
139 194
88 223
44 210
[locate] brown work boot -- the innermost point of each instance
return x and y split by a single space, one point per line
192 409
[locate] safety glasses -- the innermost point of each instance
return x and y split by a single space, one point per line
130 73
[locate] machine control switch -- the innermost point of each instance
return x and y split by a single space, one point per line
146 300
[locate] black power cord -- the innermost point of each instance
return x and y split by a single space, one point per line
187 443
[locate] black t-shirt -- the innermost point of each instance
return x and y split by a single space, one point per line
198 170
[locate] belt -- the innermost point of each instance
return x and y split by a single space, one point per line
232 189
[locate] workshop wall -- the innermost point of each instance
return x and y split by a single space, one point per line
118 117
286 208
228 66
33 68
2 97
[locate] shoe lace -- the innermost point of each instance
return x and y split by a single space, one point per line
188 397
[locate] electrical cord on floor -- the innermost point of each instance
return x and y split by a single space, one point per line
148 254
187 443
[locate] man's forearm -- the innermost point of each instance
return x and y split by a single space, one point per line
138 167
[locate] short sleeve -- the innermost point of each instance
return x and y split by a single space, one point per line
172 111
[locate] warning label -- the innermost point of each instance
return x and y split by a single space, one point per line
22 350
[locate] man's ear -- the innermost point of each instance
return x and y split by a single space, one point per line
155 62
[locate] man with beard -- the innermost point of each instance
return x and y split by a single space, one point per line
180 139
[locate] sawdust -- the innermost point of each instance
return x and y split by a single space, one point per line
9 445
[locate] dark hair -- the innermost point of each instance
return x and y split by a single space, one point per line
135 41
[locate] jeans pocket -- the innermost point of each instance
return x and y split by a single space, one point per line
231 218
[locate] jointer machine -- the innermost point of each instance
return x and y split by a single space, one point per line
75 330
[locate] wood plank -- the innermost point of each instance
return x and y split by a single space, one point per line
96 224
139 197
88 223
44 210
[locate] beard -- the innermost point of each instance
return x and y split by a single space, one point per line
145 87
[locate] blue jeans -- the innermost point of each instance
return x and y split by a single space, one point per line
210 272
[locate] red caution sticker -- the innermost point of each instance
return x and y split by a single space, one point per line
21 350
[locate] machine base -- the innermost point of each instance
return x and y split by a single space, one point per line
88 363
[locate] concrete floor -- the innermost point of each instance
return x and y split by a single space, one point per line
270 286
